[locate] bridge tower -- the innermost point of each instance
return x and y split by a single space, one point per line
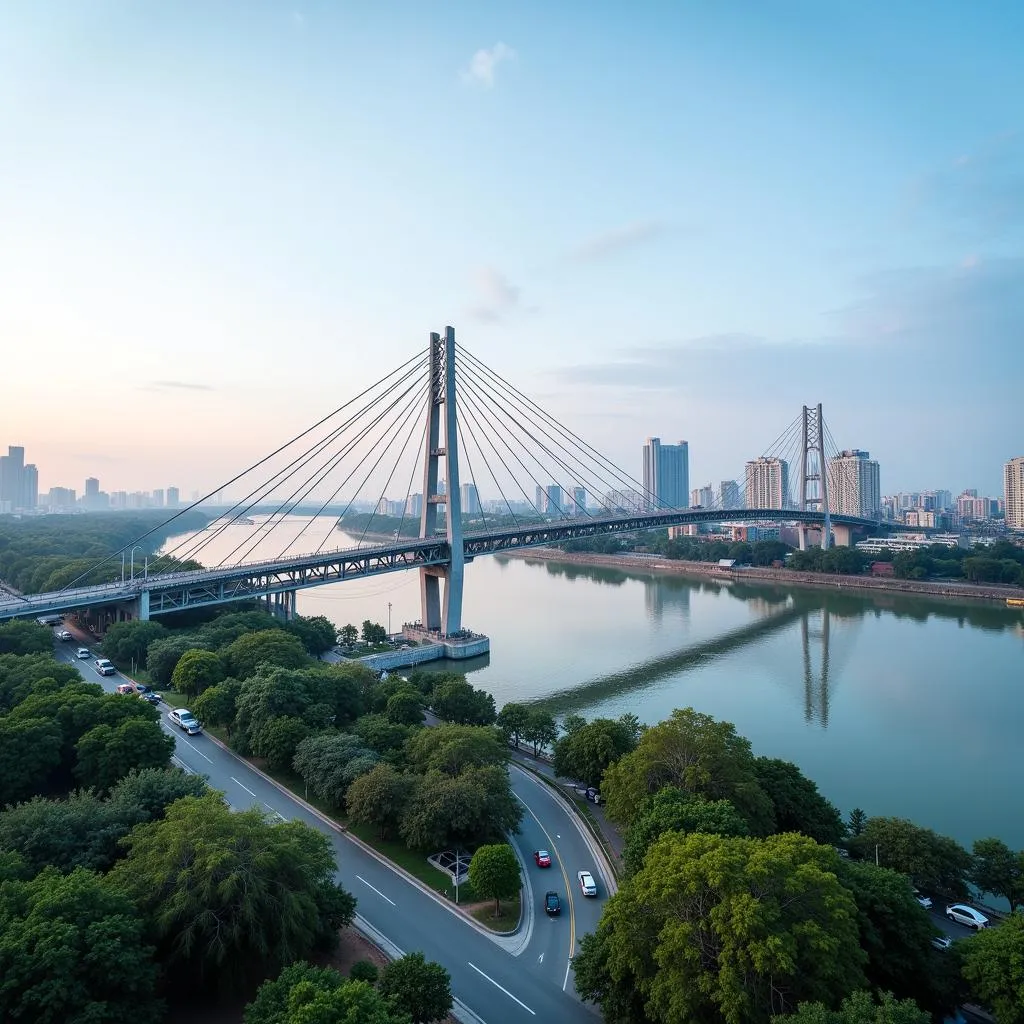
813 473
446 618
816 691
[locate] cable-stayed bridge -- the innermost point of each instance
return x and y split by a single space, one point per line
474 430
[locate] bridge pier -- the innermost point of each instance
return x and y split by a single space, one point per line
142 607
841 535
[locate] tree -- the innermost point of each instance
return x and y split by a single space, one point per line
22 636
798 805
385 737
348 635
859 1008
586 752
999 870
266 647
858 819
405 708
325 763
540 729
934 862
512 721
379 798
196 671
454 748
73 949
418 987
316 632
992 967
364 970
144 794
108 753
229 895
673 810
374 633
723 929
125 643
494 874
696 753
455 700
218 705
30 751
162 656
278 739
19 674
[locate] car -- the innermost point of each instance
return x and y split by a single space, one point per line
104 667
83 652
942 942
63 634
587 884
126 688
186 720
542 858
151 698
552 903
593 795
963 914
925 901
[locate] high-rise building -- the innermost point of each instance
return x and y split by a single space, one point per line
730 493
702 496
158 498
553 501
666 474
853 485
1013 493
12 474
767 483
470 500
414 505
579 501
173 497
30 486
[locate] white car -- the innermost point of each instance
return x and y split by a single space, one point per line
184 718
83 652
925 901
963 914
587 884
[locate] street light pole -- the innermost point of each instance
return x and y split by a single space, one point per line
389 620
138 547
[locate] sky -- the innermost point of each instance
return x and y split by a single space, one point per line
220 221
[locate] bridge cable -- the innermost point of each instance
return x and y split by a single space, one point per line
416 463
463 447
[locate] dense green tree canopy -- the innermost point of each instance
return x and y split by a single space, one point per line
380 798
23 636
126 643
993 966
328 763
107 753
797 804
512 721
19 674
73 951
585 753
30 754
218 705
273 647
454 748
405 707
718 929
540 729
277 740
455 700
418 987
316 632
162 656
859 1008
196 671
494 873
999 870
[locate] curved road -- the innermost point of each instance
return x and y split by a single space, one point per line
523 978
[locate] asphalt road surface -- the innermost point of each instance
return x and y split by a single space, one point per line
526 977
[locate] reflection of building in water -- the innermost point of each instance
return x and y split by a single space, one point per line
663 593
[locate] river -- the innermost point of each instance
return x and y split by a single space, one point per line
902 705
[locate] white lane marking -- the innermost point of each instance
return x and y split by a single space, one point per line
378 892
567 968
540 959
246 788
502 988
181 739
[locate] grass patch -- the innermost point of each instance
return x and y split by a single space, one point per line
506 921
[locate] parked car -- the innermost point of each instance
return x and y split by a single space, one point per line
925 901
184 718
587 884
552 903
542 858
593 795
942 942
83 652
151 698
963 914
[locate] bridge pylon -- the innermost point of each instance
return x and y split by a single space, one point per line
446 617
816 690
813 473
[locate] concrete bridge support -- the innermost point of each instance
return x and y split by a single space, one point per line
142 606
841 535
282 606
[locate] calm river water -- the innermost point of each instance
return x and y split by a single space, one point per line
900 705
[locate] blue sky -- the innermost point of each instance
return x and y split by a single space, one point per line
219 220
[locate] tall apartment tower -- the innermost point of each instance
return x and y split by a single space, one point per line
767 483
666 474
12 473
579 501
853 485
30 487
173 497
730 493
1013 493
470 500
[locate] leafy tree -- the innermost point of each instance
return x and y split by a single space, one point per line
20 673
325 763
999 870
162 656
572 724
859 1008
385 737
316 632
494 874
266 647
364 970
586 752
455 700
454 748
993 966
673 810
374 633
196 671
405 708
858 819
73 949
272 1002
107 753
418 987
30 752
218 705
348 635
512 721
798 805
723 929
696 753
379 798
540 729
230 896
278 739
936 863
127 642
144 794
22 636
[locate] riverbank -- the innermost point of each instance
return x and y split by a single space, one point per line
831 581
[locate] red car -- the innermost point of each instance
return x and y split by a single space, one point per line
543 858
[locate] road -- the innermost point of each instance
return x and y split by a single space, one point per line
523 979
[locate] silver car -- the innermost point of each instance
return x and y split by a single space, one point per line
184 718
587 884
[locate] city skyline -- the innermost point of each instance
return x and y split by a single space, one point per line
669 218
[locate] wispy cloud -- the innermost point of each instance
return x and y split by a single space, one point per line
175 385
484 64
496 295
610 242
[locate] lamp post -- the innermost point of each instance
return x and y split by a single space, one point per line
138 547
389 620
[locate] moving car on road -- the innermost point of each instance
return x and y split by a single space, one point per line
963 914
543 858
552 903
83 653
184 718
103 666
925 901
151 698
63 634
587 884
